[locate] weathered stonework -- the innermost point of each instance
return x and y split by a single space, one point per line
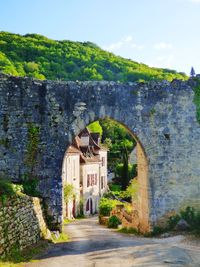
161 115
21 223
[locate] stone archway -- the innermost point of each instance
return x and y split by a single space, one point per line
142 203
162 115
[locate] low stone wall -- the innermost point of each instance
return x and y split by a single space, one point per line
103 220
21 223
129 220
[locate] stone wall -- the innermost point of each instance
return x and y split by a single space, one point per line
21 223
161 116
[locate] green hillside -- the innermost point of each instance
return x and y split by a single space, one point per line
37 56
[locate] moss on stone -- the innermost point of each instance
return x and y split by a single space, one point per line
197 99
5 142
32 146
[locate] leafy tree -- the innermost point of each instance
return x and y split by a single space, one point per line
37 56
125 172
95 127
116 136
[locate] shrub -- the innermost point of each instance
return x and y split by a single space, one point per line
113 222
9 189
30 184
6 188
196 223
188 214
115 187
157 230
106 205
173 220
69 192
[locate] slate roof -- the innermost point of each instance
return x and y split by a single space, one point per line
88 153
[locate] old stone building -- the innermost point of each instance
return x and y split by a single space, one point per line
85 167
162 116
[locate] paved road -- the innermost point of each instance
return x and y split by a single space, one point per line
92 245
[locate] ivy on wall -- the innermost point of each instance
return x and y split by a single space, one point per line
197 99
30 181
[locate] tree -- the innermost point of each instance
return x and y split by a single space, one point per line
37 56
95 127
125 171
192 72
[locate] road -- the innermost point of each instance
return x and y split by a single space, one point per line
92 245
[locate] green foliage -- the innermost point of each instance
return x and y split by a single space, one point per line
132 189
5 142
29 179
197 99
115 187
157 230
113 222
106 205
31 67
30 184
37 56
32 146
116 137
95 127
63 237
128 207
69 192
131 172
81 208
188 214
8 189
129 231
196 223
21 256
127 195
173 220
108 143
152 112
125 169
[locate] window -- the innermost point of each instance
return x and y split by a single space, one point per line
92 179
103 161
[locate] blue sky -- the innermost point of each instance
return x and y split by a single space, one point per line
162 33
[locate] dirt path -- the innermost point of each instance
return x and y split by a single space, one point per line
92 245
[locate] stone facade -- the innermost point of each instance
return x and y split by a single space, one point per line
21 223
161 116
85 168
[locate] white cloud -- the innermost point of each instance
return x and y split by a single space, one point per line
195 1
163 45
160 54
163 61
126 42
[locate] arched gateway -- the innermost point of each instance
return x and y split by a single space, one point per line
161 115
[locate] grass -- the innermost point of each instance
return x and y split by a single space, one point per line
63 237
17 258
67 221
129 231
